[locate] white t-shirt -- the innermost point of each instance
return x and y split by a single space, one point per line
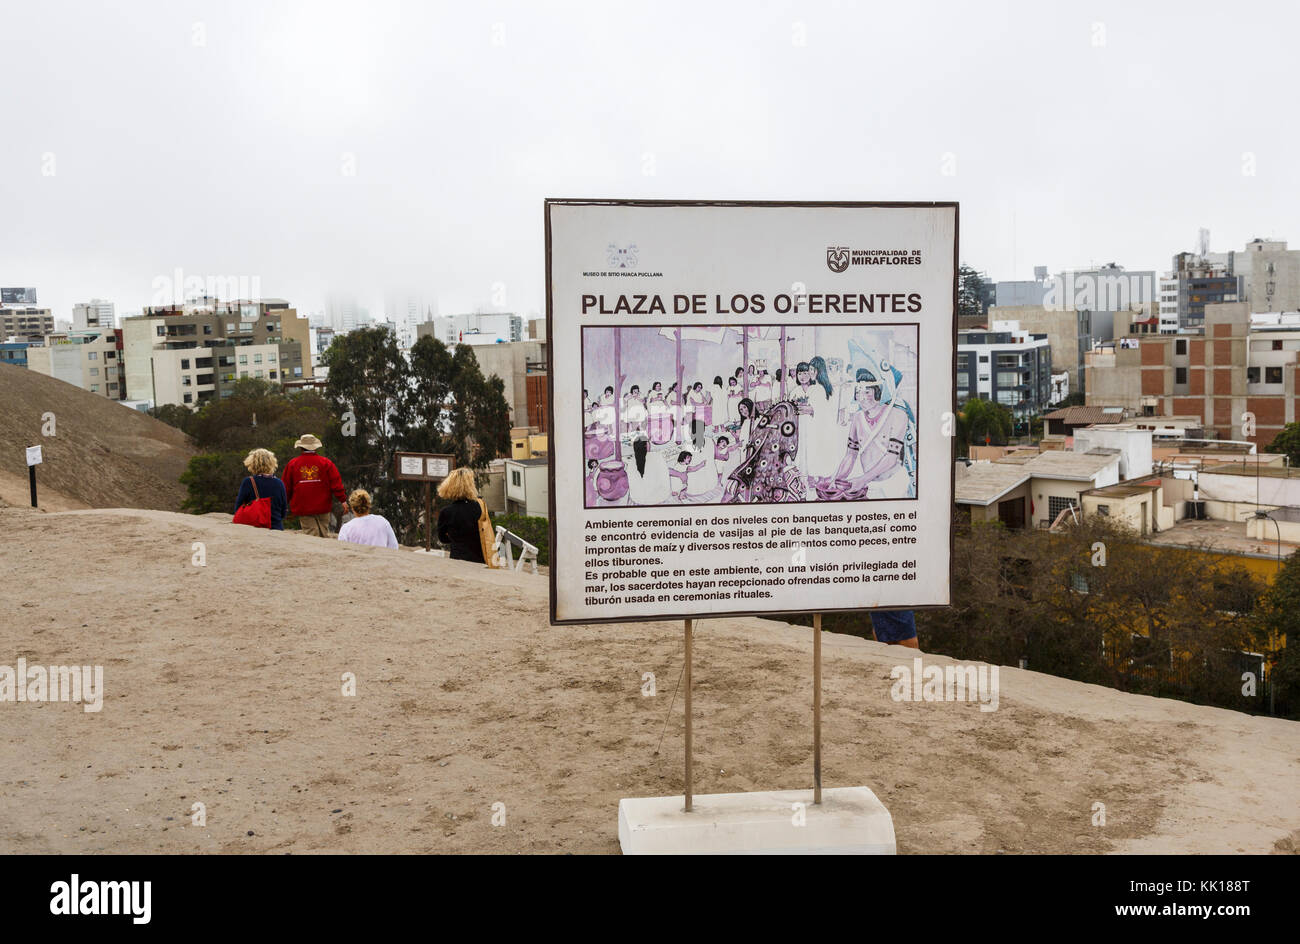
369 529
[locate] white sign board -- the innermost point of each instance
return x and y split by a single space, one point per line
33 455
412 465
751 407
437 468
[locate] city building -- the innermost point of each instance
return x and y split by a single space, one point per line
95 313
522 367
14 353
25 322
91 360
1069 336
1005 365
1031 491
1100 292
1238 378
477 328
192 353
1270 275
526 487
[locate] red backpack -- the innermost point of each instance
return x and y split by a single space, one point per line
257 512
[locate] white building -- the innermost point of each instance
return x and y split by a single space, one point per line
95 313
477 328
85 359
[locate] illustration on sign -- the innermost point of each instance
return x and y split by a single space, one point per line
703 415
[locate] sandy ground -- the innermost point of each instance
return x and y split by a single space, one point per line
223 686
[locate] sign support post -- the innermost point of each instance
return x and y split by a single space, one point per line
428 516
34 459
817 708
687 681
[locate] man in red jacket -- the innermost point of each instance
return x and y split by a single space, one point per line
312 481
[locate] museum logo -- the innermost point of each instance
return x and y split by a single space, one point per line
621 257
837 258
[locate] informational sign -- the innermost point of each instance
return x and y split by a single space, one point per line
751 407
33 455
17 296
423 466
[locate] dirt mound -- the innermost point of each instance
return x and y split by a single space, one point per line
102 454
223 684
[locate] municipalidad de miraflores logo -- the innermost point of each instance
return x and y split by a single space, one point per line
839 258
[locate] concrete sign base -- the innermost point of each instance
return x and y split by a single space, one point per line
849 821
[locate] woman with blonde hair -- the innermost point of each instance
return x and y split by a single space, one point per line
366 528
461 524
259 489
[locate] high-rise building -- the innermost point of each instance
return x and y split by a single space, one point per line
476 328
25 322
190 354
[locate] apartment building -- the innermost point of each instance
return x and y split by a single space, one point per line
522 367
477 328
1243 363
1068 331
189 354
95 313
91 360
25 322
1005 365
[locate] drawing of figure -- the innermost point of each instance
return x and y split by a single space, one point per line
635 412
760 388
768 472
879 439
647 480
744 428
589 482
660 426
733 401
726 455
818 453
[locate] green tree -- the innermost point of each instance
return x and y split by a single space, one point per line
368 387
173 414
1287 442
1278 623
981 419
970 292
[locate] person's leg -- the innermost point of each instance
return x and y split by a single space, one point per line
323 525
895 628
311 524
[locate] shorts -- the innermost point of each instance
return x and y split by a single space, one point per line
893 625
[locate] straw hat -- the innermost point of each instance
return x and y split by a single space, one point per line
308 441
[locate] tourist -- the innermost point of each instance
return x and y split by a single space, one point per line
366 528
311 482
262 483
458 523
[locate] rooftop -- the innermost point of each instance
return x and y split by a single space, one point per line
985 482
1228 537
1086 415
1057 464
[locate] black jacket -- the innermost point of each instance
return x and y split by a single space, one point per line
458 527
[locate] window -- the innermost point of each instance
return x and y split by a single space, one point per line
1103 510
162 331
257 375
109 355
1057 504
297 371
1008 378
207 329
185 363
984 377
1180 375
515 479
1272 375
189 398
94 371
272 373
94 388
185 380
243 358
1277 345
1008 360
92 356
984 358
963 361
270 358
1252 375
1180 346
257 358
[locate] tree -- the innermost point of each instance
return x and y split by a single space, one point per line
173 414
981 419
368 387
970 292
1287 442
1278 621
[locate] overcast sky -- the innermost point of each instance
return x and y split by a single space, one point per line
217 138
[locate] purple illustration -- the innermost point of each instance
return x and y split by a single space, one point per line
708 415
